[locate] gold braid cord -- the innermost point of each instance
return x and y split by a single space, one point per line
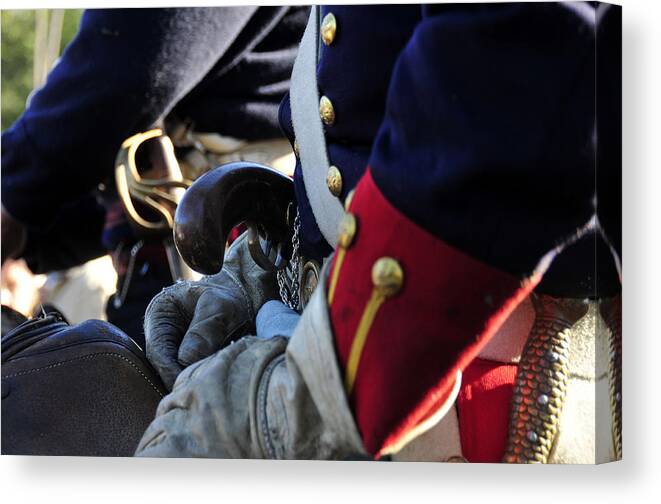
541 382
611 312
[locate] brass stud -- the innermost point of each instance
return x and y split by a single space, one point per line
310 279
334 180
387 276
349 199
326 111
328 28
347 232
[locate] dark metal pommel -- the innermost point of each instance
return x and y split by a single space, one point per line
225 197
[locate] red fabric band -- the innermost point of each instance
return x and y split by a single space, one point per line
483 407
448 308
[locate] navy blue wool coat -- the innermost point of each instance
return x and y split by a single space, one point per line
496 127
224 69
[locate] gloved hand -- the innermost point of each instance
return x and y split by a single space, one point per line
189 321
264 397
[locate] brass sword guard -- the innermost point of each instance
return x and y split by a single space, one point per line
161 194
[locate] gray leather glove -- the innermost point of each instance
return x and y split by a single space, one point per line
189 321
262 398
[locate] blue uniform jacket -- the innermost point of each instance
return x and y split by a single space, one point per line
486 124
225 69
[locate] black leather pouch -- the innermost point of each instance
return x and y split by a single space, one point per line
84 390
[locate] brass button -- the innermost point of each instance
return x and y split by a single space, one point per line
349 199
334 180
326 111
310 279
348 227
328 28
387 276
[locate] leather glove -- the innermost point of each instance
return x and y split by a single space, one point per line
279 397
189 321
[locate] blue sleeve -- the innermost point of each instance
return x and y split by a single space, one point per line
124 71
488 140
72 238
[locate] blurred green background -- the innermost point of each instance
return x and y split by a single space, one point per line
17 46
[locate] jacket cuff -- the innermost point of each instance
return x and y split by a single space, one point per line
409 313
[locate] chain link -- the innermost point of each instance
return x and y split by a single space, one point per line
288 278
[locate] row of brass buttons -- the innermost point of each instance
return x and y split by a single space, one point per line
326 110
387 274
333 177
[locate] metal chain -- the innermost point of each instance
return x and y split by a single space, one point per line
288 278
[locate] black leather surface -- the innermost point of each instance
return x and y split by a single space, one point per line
74 390
10 319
